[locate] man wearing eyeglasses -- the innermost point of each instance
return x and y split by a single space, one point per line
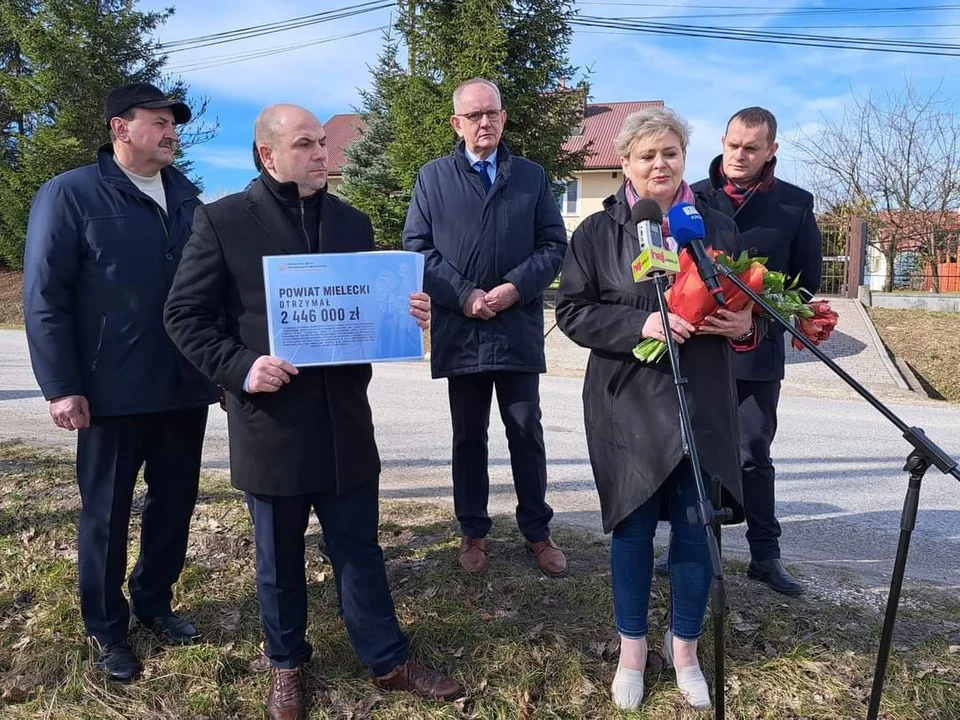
490 229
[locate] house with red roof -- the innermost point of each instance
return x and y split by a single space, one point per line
927 247
585 192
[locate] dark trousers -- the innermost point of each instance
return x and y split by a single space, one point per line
758 425
110 453
518 396
349 524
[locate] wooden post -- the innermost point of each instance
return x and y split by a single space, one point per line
856 256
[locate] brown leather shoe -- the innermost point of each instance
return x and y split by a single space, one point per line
473 554
286 699
550 559
417 678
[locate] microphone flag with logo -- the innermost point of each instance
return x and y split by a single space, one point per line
656 257
686 224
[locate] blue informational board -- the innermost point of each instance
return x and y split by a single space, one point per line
343 308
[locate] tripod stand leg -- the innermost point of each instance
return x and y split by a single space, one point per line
718 601
916 465
704 514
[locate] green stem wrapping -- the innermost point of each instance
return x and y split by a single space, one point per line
650 350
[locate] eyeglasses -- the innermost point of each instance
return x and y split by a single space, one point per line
474 117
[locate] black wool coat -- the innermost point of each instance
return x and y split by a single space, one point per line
630 408
315 433
780 226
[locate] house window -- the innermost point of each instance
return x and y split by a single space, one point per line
569 199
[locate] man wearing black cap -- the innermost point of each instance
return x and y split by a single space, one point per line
103 244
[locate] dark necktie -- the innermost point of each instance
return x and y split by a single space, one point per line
482 166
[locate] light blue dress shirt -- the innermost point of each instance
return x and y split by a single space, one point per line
491 168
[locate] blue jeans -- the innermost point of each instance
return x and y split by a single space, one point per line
631 562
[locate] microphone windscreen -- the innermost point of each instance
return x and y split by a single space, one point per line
686 223
646 209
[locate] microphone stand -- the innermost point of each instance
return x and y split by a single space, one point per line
925 453
705 513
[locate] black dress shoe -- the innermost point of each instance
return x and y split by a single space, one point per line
171 629
662 566
117 660
773 573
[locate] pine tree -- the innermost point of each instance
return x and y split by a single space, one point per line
521 45
369 184
60 59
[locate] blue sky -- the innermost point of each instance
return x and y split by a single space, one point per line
704 79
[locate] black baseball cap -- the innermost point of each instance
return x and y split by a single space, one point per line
143 95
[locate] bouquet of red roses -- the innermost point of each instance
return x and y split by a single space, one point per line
689 298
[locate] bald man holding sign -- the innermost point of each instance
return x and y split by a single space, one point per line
300 438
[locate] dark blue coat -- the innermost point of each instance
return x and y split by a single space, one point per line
474 240
780 226
99 262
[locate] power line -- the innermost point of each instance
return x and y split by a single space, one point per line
253 31
773 15
640 25
748 11
220 60
897 26
774 38
778 10
835 42
792 27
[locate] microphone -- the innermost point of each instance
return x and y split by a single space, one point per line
656 257
686 225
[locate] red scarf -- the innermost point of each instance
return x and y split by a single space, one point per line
738 194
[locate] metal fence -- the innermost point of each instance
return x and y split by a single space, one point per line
912 271
849 260
835 237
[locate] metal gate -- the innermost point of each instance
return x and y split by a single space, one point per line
836 238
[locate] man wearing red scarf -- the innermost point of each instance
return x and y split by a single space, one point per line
776 221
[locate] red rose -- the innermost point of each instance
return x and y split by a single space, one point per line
818 327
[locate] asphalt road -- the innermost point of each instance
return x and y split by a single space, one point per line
839 462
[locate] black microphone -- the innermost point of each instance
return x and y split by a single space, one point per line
686 226
656 257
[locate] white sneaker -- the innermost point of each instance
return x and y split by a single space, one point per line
690 680
627 688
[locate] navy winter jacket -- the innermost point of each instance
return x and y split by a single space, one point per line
780 226
471 239
99 262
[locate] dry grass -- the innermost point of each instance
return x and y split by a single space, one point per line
11 298
524 646
927 341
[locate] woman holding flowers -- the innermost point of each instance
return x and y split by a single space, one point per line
631 410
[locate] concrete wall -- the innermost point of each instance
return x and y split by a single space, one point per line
910 301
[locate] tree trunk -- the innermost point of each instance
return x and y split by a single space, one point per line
935 273
890 252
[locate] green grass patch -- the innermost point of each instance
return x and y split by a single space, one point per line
524 646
